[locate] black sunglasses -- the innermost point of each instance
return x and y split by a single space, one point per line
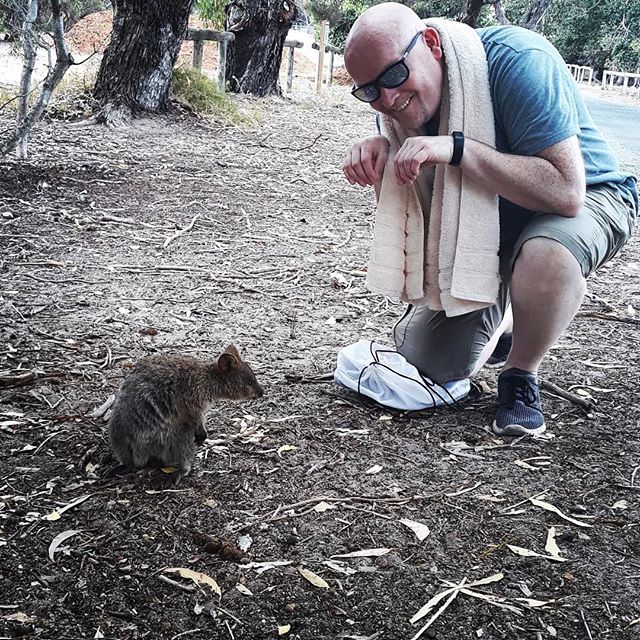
393 76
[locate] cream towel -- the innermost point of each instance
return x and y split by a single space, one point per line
442 249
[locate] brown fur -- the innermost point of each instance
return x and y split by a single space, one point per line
159 412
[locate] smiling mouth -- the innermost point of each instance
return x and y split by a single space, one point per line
404 105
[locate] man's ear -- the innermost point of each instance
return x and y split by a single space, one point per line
432 40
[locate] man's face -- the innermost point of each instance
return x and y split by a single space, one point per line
416 100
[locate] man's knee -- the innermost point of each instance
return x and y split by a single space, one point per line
547 267
442 348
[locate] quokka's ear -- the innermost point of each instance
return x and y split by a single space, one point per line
227 362
232 350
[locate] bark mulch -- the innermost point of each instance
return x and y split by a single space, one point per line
177 235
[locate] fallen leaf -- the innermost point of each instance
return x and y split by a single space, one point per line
55 515
24 618
375 469
284 629
286 447
549 507
365 553
340 567
321 507
313 578
534 604
621 504
242 589
524 465
452 596
551 547
421 530
261 567
528 553
59 539
196 576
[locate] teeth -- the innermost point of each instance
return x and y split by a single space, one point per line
404 105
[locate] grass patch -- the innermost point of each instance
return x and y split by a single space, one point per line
201 94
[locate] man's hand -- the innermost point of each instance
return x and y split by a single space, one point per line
418 151
364 161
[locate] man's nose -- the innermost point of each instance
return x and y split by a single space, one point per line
388 97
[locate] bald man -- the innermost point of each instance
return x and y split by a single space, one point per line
565 206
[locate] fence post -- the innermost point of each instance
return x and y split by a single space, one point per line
222 64
198 47
290 69
330 78
324 28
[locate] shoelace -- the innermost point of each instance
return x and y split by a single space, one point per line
428 385
521 389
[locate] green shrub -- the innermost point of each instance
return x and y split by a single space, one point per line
201 93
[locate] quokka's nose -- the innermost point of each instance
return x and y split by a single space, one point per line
259 392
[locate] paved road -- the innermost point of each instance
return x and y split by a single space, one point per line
620 125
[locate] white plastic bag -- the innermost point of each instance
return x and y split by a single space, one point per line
384 375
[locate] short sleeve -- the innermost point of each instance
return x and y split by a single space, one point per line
533 99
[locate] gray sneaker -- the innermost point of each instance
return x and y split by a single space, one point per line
519 412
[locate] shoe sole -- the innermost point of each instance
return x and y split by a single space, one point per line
494 365
517 430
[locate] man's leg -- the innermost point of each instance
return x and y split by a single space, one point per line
553 255
446 349
547 288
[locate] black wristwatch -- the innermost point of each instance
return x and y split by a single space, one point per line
458 148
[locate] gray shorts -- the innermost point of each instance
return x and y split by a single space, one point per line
448 348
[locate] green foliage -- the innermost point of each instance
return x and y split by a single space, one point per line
202 95
598 33
212 11
603 35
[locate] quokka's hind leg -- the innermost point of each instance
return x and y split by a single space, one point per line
181 451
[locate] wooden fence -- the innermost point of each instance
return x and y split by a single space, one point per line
623 81
581 73
223 38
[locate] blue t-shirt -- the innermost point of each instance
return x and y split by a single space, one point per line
537 103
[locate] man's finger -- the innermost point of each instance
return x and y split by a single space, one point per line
366 165
378 168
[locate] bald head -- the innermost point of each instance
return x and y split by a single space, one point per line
386 26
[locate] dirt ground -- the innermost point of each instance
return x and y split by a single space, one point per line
176 235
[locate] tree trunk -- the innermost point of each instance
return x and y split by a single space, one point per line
472 12
534 18
473 8
29 49
49 84
136 70
501 16
254 57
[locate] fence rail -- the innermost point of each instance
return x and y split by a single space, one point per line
581 73
626 82
223 38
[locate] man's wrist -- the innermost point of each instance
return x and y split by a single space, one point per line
457 138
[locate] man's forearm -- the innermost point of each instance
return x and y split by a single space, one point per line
529 181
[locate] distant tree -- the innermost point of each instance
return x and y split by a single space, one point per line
12 13
31 38
254 58
136 70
